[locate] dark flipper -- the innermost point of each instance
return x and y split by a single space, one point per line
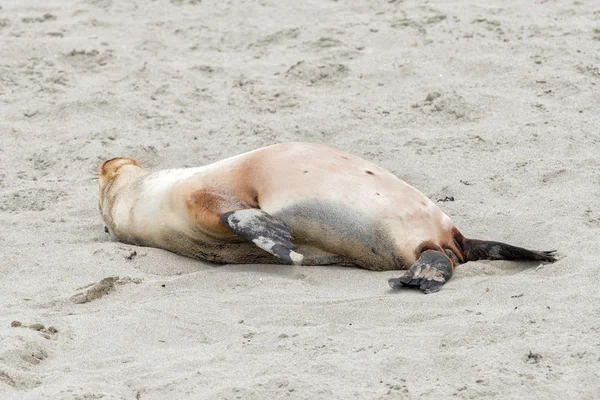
429 273
483 250
265 231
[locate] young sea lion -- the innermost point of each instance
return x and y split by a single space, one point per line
295 203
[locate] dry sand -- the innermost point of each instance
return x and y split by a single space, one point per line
492 104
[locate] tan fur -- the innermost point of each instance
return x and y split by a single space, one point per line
206 208
109 169
336 203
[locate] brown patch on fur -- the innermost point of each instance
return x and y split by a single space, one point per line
457 245
206 209
370 172
449 242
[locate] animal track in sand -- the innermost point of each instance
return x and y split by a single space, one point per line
454 143
276 38
34 72
207 69
325 43
589 70
35 199
4 23
101 289
18 356
182 2
99 3
489 25
313 74
86 60
44 18
261 97
419 24
42 161
450 106
18 380
97 291
265 100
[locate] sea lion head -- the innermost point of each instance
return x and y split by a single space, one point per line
111 169
113 175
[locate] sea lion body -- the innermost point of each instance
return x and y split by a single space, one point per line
298 203
341 208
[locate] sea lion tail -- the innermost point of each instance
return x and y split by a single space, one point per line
474 250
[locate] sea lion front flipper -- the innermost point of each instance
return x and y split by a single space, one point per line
429 273
265 231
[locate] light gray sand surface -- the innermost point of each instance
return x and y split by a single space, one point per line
494 104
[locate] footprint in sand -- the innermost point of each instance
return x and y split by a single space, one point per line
44 18
325 43
313 74
84 60
35 199
18 359
449 106
101 289
276 38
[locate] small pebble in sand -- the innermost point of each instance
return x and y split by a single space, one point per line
131 255
534 357
29 112
36 327
15 324
52 329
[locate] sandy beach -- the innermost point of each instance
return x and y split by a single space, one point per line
491 109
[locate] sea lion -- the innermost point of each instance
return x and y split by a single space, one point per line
295 203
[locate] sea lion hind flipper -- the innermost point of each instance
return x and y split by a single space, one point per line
431 271
486 250
265 231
